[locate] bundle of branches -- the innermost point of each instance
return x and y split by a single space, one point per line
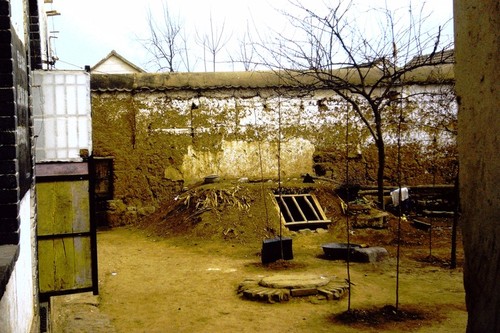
204 199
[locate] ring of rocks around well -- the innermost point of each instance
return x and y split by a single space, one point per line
280 288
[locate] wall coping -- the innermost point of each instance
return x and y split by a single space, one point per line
426 75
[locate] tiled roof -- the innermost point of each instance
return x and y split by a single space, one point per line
252 79
441 57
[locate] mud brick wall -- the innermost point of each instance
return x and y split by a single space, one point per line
165 135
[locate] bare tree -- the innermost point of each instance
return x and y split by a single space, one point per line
163 41
246 53
330 50
185 52
213 41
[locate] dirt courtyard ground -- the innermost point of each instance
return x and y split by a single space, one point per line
180 284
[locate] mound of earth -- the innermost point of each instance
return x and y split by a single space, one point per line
248 213
243 212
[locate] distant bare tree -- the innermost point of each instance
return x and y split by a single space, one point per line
246 53
365 67
213 41
185 53
163 41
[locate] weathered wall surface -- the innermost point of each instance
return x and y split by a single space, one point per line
164 139
18 304
477 54
19 26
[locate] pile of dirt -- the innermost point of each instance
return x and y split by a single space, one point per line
248 213
242 212
231 211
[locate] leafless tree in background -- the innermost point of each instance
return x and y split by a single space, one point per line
246 53
163 41
213 41
364 65
185 52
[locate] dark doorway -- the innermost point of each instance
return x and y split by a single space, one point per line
103 171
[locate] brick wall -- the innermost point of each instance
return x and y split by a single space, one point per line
15 127
18 277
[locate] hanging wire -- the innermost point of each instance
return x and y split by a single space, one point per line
70 64
398 250
262 175
279 163
348 265
400 120
279 174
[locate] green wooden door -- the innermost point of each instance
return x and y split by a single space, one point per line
67 258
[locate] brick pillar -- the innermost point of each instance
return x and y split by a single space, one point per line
34 36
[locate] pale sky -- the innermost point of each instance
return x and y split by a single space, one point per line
90 29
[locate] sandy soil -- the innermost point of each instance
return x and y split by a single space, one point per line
179 271
185 284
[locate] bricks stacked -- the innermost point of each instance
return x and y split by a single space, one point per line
15 127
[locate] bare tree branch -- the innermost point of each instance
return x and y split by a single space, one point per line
162 43
246 53
367 69
213 41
